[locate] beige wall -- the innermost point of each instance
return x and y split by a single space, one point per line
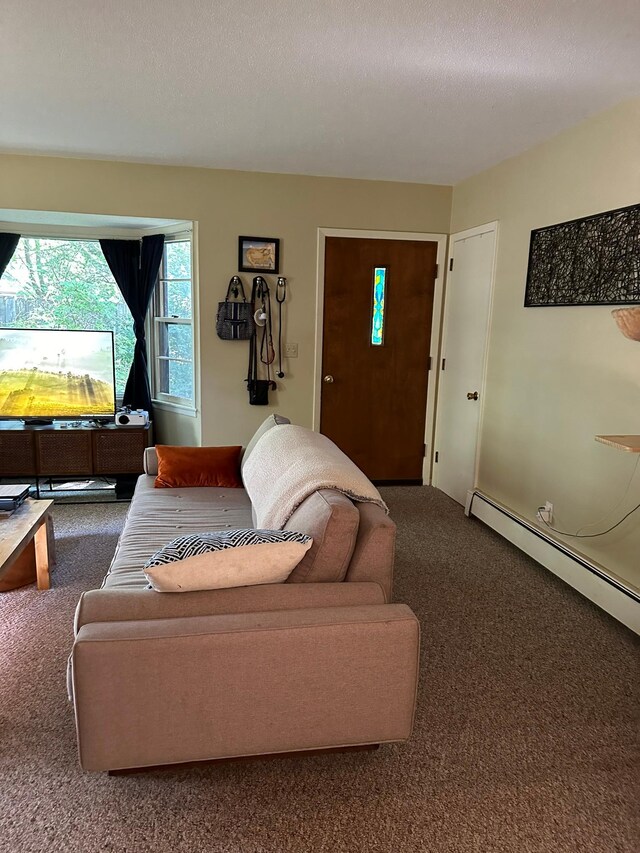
225 205
558 376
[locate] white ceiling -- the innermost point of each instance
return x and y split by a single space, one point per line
407 90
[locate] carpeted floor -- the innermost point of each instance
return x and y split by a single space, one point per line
525 738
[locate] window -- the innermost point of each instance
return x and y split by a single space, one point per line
377 313
172 337
66 284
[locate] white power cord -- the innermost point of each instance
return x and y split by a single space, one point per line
618 505
542 514
591 535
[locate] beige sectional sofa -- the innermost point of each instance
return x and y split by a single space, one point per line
324 660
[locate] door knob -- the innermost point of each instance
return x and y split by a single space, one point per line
472 395
328 378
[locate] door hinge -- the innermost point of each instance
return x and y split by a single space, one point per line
444 361
437 270
429 364
450 264
436 456
424 449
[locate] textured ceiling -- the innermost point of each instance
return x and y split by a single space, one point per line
406 90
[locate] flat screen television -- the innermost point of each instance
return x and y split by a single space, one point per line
56 373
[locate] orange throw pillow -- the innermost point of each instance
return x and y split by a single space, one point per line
184 467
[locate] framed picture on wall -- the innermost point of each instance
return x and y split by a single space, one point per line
258 254
588 261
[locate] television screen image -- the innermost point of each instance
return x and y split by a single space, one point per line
51 373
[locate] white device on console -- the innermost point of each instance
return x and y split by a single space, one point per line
132 417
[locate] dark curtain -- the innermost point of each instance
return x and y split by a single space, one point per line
8 243
135 265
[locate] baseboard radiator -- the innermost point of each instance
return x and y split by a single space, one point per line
589 578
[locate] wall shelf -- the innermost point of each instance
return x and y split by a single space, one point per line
630 443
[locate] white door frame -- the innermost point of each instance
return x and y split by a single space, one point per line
463 235
441 240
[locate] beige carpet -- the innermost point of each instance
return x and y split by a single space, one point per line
525 739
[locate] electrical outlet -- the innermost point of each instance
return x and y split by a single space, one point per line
545 514
291 350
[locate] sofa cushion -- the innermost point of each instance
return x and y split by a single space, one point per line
226 558
331 520
188 467
265 426
158 515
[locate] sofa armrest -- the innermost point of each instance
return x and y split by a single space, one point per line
150 461
122 605
177 690
374 554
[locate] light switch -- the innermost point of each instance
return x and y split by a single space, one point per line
291 350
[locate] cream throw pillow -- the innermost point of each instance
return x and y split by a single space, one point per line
226 558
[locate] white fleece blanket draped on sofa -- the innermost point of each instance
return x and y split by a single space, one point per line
291 462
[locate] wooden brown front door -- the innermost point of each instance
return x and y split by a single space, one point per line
374 388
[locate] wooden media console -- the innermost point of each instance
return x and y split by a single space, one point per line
65 451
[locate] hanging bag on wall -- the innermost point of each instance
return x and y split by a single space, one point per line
259 388
234 321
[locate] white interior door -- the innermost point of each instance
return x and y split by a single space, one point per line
467 306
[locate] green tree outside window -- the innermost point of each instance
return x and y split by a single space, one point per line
66 284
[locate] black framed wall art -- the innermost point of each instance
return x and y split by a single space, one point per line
259 254
590 261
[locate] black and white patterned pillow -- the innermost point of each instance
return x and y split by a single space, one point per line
226 558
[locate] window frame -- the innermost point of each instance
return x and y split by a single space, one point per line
180 230
158 323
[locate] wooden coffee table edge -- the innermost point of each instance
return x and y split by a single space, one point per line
41 542
43 547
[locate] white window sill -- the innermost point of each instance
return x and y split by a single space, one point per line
177 408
